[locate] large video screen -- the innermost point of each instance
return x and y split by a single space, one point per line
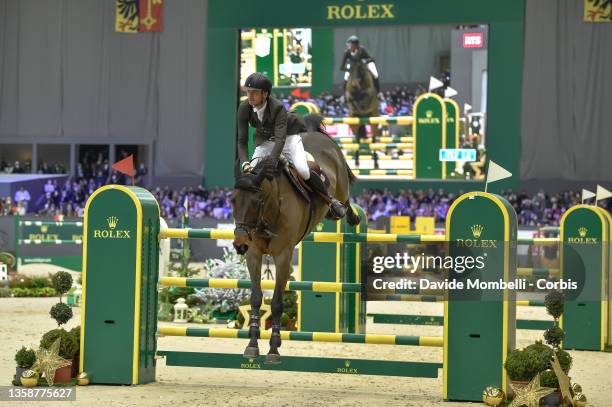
407 102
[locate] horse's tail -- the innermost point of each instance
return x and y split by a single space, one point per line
314 123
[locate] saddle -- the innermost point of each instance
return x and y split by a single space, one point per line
298 182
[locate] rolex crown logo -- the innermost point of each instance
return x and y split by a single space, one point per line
112 222
251 360
319 226
582 231
44 228
347 363
477 230
429 114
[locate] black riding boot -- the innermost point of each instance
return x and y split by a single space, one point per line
376 85
336 208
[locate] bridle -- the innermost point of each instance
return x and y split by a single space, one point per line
259 224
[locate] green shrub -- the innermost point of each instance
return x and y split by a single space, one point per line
62 282
20 281
565 360
76 332
34 292
61 313
524 364
546 352
553 302
554 336
548 378
41 282
68 344
25 357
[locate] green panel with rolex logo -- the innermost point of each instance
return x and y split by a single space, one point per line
584 261
429 129
479 326
119 286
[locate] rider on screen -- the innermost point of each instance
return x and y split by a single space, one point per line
355 52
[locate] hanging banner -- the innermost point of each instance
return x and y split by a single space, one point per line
151 16
597 11
126 16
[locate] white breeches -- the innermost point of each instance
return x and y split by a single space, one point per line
293 151
371 67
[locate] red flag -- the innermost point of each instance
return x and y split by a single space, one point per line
306 94
296 92
150 13
125 166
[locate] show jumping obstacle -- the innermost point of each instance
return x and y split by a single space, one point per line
118 335
120 281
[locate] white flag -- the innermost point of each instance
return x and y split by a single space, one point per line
450 92
495 173
434 83
602 193
467 108
586 194
186 206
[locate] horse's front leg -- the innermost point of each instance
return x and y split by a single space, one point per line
283 267
253 259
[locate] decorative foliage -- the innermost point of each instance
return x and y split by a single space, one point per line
554 336
553 302
529 395
67 346
61 313
232 266
524 364
48 360
25 357
62 282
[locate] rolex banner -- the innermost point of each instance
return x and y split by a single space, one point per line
429 131
150 12
598 11
132 16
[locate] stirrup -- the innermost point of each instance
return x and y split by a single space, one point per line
337 209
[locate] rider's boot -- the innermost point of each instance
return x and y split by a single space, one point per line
336 208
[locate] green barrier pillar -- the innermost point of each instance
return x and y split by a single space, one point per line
319 262
452 131
120 262
479 326
332 262
584 259
429 130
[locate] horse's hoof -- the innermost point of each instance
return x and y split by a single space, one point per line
251 352
272 359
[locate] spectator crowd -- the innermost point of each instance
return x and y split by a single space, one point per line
69 199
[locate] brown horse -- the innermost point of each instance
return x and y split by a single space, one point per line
362 100
265 202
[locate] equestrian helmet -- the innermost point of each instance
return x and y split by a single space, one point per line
353 39
258 81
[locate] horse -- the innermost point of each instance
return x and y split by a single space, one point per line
271 218
362 99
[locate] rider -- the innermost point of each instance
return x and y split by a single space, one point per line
276 132
355 52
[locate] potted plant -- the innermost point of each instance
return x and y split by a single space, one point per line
68 348
62 313
25 358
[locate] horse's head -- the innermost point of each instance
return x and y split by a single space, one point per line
248 200
359 76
